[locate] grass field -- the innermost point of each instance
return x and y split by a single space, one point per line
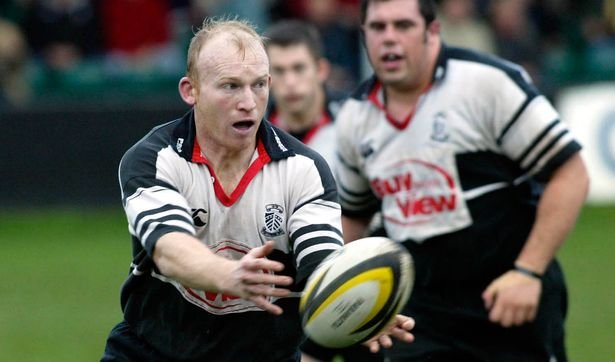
62 270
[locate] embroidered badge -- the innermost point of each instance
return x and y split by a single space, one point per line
439 132
274 219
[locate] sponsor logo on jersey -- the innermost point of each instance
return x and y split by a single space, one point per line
199 217
274 220
418 190
365 149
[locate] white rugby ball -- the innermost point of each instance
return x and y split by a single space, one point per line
356 291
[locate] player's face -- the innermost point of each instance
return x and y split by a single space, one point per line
296 78
397 42
231 94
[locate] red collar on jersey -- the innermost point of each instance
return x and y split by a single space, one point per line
399 124
226 200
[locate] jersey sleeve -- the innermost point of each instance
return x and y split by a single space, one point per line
527 128
150 197
315 223
355 193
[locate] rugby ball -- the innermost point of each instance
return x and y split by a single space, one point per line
356 291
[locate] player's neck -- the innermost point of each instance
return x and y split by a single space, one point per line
401 102
229 165
229 172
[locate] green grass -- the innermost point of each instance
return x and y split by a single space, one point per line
61 274
588 258
62 270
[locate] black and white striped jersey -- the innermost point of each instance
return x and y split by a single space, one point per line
288 195
464 166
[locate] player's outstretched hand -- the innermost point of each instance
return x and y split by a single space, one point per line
251 278
399 328
512 299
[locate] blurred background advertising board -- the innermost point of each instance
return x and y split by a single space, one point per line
589 110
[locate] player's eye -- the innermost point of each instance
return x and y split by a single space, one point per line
403 24
376 26
260 84
229 86
278 72
299 68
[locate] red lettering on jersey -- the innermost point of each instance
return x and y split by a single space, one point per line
393 185
211 296
426 205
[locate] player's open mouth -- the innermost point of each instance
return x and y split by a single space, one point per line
243 125
391 61
292 98
390 57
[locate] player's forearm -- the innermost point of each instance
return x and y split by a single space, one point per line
183 258
354 228
557 212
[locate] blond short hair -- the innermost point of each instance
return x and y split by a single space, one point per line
242 32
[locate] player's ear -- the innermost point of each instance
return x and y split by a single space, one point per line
187 90
324 69
433 28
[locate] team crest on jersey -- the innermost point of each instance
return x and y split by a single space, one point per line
439 132
274 220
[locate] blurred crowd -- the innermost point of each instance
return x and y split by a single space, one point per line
79 48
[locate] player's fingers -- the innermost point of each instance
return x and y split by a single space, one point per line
520 316
495 314
404 322
373 346
402 334
532 313
262 250
489 296
267 279
376 342
385 341
507 318
267 290
263 264
262 303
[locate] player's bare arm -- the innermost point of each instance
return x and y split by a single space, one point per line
354 227
513 298
185 259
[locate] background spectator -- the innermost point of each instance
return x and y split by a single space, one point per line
62 33
14 89
258 12
461 26
516 36
120 47
337 22
139 37
340 39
